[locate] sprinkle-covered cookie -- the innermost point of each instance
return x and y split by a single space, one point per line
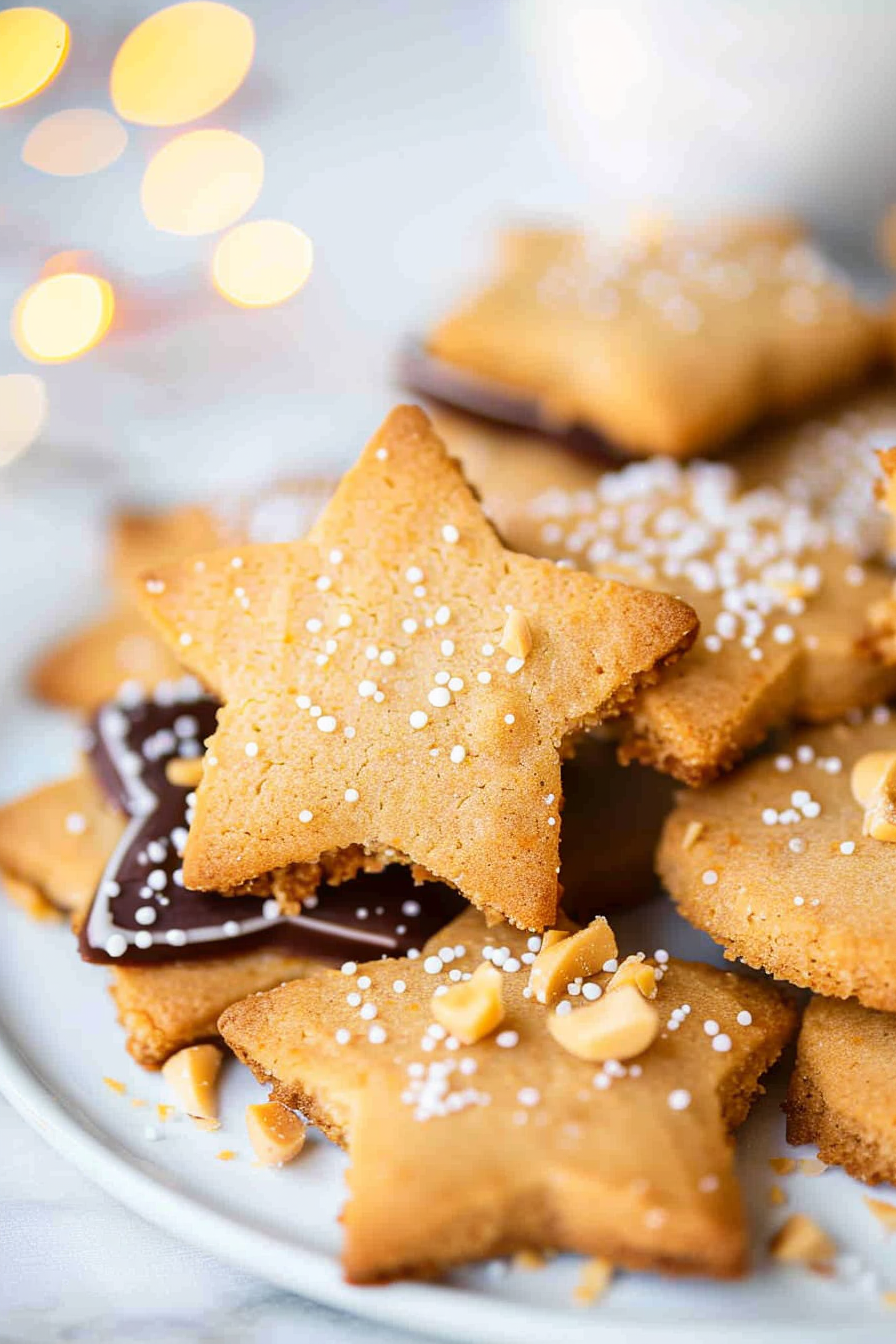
400 686
663 345
514 1142
54 843
779 554
782 863
842 1094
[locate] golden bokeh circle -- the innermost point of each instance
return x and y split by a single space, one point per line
34 45
23 410
62 317
202 181
75 142
181 63
262 263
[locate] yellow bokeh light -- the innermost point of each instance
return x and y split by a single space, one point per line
75 142
182 63
262 263
33 47
62 317
201 182
23 410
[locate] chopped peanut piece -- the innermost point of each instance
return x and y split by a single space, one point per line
472 1008
517 637
884 1213
184 774
581 954
873 783
812 1166
776 1196
551 937
275 1132
192 1074
114 1085
529 1261
618 1026
593 1281
802 1241
225 1155
888 1299
692 834
635 971
782 1166
868 773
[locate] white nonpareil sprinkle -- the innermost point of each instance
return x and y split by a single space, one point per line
679 1099
377 1034
722 1043
76 823
418 719
744 1018
439 697
399 986
711 1027
507 1039
326 723
414 574
591 991
116 945
450 534
432 965
305 815
710 877
513 665
458 754
447 647
528 1096
368 1012
351 795
343 1036
442 615
847 847
509 718
349 967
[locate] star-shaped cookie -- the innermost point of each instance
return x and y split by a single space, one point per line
667 344
774 864
400 686
466 1152
842 1095
780 555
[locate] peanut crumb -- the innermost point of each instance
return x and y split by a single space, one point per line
163 1111
225 1155
782 1166
517 637
276 1133
889 1299
884 1213
618 1026
137 1102
802 1241
472 1008
812 1166
184 774
594 1281
776 1196
115 1086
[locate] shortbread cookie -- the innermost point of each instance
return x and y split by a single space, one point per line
842 1094
86 668
514 1143
54 843
778 554
668 345
774 864
401 686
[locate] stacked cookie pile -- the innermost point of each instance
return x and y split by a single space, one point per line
322 817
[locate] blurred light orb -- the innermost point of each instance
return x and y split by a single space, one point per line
202 181
23 411
62 317
262 263
33 48
181 63
75 142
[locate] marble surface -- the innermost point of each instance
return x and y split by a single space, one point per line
76 1265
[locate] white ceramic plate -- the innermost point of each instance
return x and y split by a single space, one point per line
58 1038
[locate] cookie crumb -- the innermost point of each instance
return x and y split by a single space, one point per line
884 1213
801 1241
225 1155
812 1166
776 1196
782 1166
594 1281
115 1086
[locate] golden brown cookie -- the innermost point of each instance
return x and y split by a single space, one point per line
663 345
773 863
54 843
400 686
463 1152
779 555
842 1094
86 668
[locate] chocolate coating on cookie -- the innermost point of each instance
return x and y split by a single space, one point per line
142 914
447 385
